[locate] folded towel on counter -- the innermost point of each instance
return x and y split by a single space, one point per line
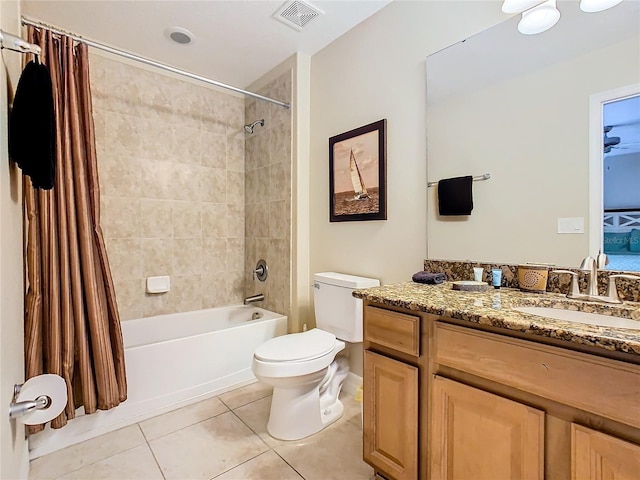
429 278
454 196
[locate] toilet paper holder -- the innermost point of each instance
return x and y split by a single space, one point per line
17 409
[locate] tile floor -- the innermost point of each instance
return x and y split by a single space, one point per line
222 437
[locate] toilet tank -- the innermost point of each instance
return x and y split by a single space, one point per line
337 311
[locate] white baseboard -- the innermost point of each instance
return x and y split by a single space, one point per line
351 383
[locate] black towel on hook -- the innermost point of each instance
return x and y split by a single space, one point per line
32 128
455 196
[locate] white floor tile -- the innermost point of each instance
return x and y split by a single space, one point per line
135 464
244 395
267 466
206 449
90 451
183 417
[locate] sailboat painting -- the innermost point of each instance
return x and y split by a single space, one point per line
357 161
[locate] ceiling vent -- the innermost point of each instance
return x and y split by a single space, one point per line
297 14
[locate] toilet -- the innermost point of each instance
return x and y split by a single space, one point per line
302 367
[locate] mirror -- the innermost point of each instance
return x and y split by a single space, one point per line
517 107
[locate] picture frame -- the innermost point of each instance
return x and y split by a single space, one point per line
357 174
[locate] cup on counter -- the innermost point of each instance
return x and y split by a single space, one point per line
477 273
496 277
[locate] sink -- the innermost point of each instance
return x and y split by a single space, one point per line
581 317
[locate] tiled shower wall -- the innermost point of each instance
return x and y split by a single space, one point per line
171 165
268 195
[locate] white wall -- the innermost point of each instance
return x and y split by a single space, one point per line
13 451
375 71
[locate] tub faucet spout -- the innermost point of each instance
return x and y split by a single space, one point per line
258 297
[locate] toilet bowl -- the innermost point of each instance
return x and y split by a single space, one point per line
306 377
303 368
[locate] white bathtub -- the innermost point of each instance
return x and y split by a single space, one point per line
174 360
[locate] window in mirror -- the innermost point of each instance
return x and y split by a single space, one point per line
621 183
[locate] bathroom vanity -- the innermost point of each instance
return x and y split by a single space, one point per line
460 385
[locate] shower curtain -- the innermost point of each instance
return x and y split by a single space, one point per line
72 327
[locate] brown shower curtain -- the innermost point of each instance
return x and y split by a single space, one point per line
72 327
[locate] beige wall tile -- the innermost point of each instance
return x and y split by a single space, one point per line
120 216
124 261
280 144
157 179
214 219
120 176
279 219
235 154
172 157
214 185
235 254
156 218
214 290
214 150
235 187
187 293
235 288
157 256
187 183
279 186
187 145
187 256
129 296
236 220
158 304
187 219
214 255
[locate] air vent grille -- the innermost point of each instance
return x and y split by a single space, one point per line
297 14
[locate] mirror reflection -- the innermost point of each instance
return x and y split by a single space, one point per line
518 107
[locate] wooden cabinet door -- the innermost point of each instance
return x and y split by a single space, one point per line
390 416
481 436
597 456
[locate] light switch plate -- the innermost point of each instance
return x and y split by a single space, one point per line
571 225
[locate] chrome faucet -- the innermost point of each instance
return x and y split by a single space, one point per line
590 266
258 297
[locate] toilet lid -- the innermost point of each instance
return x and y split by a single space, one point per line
308 345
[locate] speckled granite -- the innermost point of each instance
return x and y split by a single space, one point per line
558 283
495 308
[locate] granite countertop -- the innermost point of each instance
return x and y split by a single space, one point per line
495 308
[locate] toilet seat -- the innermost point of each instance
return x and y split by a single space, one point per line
297 347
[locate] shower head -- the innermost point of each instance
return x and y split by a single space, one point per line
249 127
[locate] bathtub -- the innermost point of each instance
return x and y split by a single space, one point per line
174 360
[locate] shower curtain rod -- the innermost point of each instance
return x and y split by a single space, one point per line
147 61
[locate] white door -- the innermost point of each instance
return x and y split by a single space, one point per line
13 446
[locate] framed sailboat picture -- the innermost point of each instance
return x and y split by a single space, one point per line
357 174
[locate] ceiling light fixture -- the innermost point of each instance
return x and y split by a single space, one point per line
539 19
591 6
539 15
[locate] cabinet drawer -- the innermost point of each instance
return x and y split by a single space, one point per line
609 388
395 330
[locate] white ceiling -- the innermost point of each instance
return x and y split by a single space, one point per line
237 41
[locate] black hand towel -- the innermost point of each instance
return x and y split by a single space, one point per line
454 196
429 278
32 129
